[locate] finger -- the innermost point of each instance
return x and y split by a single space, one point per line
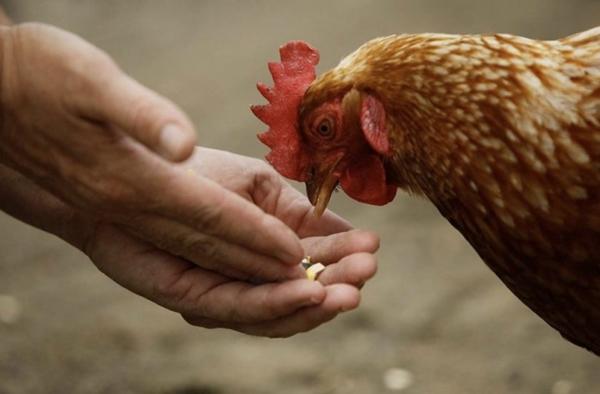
185 288
297 212
194 217
146 116
215 253
147 271
209 208
328 223
354 270
240 302
334 247
339 298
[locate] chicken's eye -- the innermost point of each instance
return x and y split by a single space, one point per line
325 128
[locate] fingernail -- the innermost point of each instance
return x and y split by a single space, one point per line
172 141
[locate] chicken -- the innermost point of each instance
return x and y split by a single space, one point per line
501 133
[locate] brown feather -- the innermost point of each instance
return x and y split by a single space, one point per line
502 134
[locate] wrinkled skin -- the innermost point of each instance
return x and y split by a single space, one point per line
98 141
203 297
278 309
92 138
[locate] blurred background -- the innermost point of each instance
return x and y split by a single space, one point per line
434 320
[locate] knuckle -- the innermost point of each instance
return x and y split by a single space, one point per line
177 293
172 295
203 245
169 290
259 171
209 216
111 194
266 187
265 175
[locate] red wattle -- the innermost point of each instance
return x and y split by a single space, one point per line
365 181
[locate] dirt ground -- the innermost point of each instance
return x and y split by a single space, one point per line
435 312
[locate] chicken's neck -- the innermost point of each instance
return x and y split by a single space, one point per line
483 120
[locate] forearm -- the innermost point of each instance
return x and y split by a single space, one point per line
26 201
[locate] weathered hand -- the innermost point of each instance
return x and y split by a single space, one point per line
83 130
87 133
204 297
207 299
258 182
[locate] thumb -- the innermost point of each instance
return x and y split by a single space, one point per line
148 117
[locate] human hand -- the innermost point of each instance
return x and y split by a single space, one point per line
76 125
203 297
83 130
207 299
211 300
258 182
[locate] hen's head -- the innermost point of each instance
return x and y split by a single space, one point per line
324 132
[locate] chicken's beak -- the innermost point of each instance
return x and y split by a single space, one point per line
320 186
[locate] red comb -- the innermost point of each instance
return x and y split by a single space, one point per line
292 77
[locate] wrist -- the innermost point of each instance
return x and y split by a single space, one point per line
24 200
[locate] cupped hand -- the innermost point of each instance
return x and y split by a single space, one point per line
201 296
207 299
85 132
74 123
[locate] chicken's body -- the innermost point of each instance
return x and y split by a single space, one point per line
502 134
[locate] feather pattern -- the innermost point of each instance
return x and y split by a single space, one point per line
502 134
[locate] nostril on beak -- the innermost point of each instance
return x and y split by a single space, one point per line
311 173
312 187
